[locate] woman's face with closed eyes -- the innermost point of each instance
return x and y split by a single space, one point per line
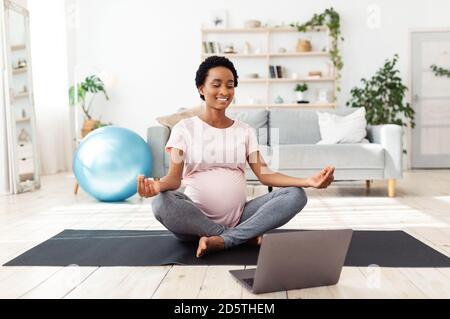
218 88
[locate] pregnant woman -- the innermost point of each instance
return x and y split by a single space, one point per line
208 156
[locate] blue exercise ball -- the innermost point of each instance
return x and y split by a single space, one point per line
108 160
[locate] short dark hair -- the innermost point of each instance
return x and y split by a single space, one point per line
212 62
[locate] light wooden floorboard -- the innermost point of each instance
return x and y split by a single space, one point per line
182 282
219 283
17 281
60 283
120 282
421 208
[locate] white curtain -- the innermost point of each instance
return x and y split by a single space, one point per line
50 81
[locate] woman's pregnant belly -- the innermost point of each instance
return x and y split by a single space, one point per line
221 194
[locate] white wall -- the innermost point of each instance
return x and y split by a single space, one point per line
22 3
153 47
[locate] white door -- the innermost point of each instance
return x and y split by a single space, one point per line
430 100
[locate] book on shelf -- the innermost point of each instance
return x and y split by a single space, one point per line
275 71
217 48
279 71
211 47
272 72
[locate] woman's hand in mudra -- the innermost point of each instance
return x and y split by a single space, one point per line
322 179
147 187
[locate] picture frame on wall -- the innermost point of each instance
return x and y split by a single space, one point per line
219 19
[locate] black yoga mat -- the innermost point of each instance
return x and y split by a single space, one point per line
154 247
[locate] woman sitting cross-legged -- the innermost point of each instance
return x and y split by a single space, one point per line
208 156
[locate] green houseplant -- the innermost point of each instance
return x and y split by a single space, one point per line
383 97
301 89
330 19
89 87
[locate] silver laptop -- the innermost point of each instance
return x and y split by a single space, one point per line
296 260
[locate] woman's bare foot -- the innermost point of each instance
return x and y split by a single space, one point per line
255 241
209 244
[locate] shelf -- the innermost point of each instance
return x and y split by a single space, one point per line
287 105
236 55
25 119
250 80
299 54
287 80
21 70
18 47
259 30
306 79
268 55
20 95
304 105
273 55
293 29
21 132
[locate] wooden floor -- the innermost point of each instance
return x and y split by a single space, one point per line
422 208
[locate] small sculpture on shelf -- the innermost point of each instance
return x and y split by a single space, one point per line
315 74
252 24
247 48
278 100
229 49
24 114
251 76
24 136
22 64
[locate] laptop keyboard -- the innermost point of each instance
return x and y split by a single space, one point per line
248 281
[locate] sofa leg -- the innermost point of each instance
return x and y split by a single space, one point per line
391 187
367 184
270 188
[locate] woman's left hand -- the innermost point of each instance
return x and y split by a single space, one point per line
321 179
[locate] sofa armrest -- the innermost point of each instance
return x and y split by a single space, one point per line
157 137
390 136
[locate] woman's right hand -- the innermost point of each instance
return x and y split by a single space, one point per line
147 187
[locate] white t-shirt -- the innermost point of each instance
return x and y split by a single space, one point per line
214 166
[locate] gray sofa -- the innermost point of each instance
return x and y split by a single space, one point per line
288 138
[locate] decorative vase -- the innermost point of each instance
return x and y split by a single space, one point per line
89 126
303 45
247 48
278 100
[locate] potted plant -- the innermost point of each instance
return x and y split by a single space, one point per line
301 89
330 19
90 86
383 97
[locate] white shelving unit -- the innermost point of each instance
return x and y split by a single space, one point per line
23 156
268 42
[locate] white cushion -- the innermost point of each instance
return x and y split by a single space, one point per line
342 129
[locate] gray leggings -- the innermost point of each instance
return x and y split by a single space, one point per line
179 214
